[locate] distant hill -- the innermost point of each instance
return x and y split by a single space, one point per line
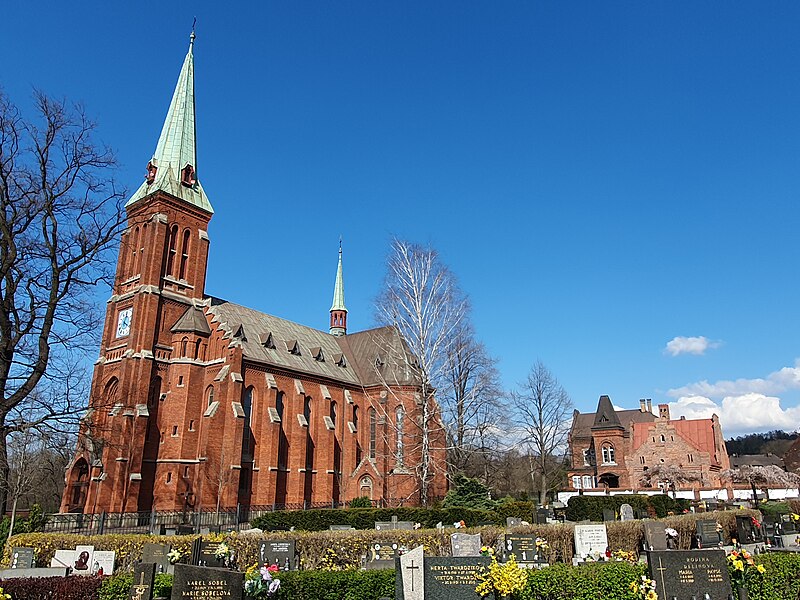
773 442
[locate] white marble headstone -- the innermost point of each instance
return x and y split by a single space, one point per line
590 539
411 567
84 560
104 559
63 558
626 512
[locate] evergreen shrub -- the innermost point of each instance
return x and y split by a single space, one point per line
47 588
582 508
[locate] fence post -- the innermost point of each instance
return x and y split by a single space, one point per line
238 514
153 522
101 525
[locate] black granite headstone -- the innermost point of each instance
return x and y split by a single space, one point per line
523 547
655 537
770 526
157 553
204 553
708 535
788 525
608 515
542 515
382 554
687 574
277 552
22 558
453 578
206 582
747 532
513 522
144 575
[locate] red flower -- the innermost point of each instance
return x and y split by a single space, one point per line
273 568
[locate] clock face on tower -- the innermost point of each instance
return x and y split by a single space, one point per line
124 322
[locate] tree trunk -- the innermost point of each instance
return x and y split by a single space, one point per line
13 517
4 470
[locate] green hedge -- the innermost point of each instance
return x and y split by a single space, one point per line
118 587
365 518
582 508
608 581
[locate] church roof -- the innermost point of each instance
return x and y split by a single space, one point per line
367 358
177 145
583 423
605 417
192 321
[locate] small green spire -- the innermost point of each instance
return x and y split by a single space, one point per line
338 288
177 145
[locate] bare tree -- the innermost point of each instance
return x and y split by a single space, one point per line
422 300
59 215
544 410
219 475
472 401
761 477
671 476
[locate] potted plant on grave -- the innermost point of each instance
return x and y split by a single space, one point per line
644 588
503 580
225 554
743 569
260 584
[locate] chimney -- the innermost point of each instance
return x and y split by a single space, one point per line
649 405
663 411
642 405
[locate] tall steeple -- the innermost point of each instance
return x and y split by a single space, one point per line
338 309
173 167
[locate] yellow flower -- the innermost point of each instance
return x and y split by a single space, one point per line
738 565
761 569
651 595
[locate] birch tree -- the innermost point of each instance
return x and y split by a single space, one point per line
544 410
60 214
422 301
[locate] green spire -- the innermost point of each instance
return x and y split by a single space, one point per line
177 147
338 288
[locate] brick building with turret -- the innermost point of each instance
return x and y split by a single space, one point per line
613 449
197 401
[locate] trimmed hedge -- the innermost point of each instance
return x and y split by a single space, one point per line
47 588
608 581
365 518
117 587
339 585
581 508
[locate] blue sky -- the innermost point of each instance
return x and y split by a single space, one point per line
602 177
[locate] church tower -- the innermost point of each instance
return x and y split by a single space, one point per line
338 309
160 276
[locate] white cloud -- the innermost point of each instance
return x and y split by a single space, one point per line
689 345
745 413
787 378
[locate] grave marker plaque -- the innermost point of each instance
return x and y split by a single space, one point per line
608 515
626 512
590 539
707 533
342 527
523 547
103 562
747 532
687 574
409 582
144 576
157 553
204 554
453 578
513 522
655 537
63 558
788 526
393 524
277 552
82 565
22 558
207 583
382 555
542 515
465 544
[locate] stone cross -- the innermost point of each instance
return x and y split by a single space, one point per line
411 563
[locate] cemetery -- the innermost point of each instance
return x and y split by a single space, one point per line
716 555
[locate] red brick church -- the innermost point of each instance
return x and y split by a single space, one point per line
196 400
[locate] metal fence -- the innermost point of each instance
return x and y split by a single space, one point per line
181 522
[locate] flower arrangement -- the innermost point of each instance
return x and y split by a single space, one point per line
4 596
795 517
671 532
742 568
756 522
224 554
487 551
502 579
541 545
260 583
644 588
174 556
623 556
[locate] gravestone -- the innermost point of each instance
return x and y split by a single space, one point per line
788 526
82 564
144 576
608 515
63 558
204 553
341 528
382 555
190 581
22 558
277 552
409 577
393 524
626 512
747 532
523 547
770 525
34 572
655 537
103 559
157 553
513 521
708 535
542 515
465 544
452 578
687 574
590 539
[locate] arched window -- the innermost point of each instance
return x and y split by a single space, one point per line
355 417
373 426
184 254
110 393
184 345
142 242
197 349
400 425
210 394
365 487
247 407
134 244
307 409
608 455
172 243
663 438
333 412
